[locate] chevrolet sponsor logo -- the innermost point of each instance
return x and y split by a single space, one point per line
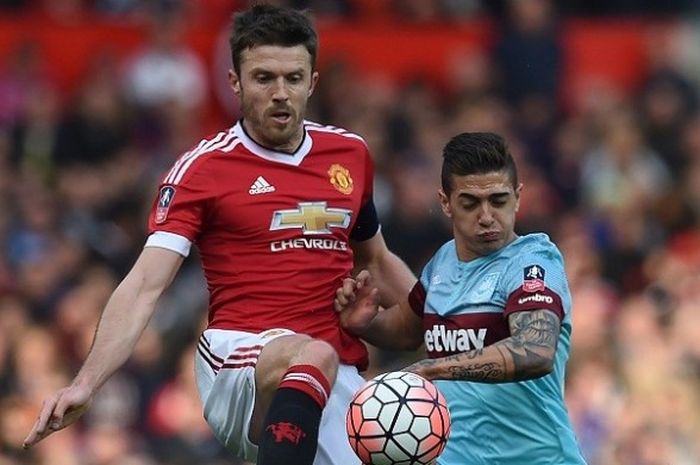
312 218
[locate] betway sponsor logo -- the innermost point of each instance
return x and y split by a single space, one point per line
539 298
308 243
441 339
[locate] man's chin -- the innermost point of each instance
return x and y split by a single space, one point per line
281 131
489 247
278 138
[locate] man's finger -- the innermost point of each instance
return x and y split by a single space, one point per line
363 278
58 419
35 437
40 428
340 298
349 286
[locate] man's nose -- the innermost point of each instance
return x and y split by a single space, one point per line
485 215
280 92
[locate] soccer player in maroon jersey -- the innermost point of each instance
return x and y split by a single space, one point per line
281 210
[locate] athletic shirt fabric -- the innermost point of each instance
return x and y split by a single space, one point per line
465 306
272 229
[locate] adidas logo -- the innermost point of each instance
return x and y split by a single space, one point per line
261 186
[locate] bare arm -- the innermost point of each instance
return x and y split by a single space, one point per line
127 313
527 354
389 273
123 320
396 328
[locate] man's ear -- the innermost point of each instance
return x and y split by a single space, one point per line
445 203
314 81
518 191
235 82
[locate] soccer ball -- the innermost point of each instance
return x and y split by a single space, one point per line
398 418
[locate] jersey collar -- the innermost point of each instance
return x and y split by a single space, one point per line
293 159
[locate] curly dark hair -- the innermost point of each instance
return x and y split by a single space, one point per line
271 25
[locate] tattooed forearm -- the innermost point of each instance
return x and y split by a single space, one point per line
485 372
461 367
528 353
532 344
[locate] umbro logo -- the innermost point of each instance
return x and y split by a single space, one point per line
261 186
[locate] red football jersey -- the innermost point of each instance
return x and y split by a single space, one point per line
272 228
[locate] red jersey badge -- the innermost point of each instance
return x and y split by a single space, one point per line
165 198
340 178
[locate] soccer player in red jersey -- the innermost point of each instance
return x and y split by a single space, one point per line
281 210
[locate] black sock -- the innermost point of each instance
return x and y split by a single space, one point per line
290 434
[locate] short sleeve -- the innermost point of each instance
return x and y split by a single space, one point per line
419 294
181 208
367 223
416 299
536 280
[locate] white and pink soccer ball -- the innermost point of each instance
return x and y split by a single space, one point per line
398 418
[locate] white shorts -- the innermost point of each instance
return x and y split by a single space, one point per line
225 371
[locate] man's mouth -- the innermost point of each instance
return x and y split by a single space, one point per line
489 236
281 117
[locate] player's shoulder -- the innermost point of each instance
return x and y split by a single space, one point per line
538 244
443 257
334 134
197 156
447 251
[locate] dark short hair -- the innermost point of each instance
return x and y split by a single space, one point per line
476 153
271 25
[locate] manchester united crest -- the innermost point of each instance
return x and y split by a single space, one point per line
340 178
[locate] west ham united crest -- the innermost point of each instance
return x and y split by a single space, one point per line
165 198
340 178
533 278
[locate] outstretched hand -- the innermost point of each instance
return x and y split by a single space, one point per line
58 411
357 302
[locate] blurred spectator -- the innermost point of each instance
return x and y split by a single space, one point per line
34 134
165 70
95 128
184 438
623 184
416 224
528 53
166 80
667 98
21 71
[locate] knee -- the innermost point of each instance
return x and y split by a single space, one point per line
321 355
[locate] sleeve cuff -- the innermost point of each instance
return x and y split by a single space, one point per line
170 241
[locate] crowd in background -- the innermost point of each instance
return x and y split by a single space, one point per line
613 175
412 10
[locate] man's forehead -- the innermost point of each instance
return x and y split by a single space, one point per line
483 184
276 56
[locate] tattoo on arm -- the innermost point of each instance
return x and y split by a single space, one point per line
533 342
526 354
